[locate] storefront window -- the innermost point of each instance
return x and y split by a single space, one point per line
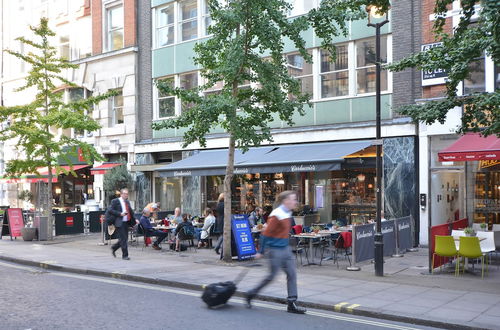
484 179
168 192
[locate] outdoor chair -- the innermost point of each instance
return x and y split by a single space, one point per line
444 246
299 246
329 247
470 248
487 245
343 243
185 237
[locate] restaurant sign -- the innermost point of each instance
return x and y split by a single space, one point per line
364 240
242 237
436 76
403 227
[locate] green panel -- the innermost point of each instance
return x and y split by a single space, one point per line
308 36
164 133
184 54
163 62
363 108
306 120
360 30
155 3
331 112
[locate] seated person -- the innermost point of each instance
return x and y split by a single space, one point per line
179 230
256 216
150 231
209 222
176 216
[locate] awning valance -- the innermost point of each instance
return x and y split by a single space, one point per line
268 159
470 147
43 174
101 169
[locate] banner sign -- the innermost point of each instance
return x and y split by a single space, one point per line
363 242
242 237
16 221
389 237
403 227
94 221
433 77
69 223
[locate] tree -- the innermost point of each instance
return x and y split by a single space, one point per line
32 125
116 179
469 41
245 54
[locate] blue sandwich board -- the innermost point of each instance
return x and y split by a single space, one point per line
242 235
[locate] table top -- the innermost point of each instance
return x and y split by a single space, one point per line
164 227
457 238
313 235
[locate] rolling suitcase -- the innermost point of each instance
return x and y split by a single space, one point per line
217 294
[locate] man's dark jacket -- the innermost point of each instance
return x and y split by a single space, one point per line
113 213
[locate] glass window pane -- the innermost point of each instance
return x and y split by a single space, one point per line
366 80
166 36
335 84
300 6
170 82
307 85
341 61
189 30
116 39
365 50
119 115
118 100
75 94
297 66
166 16
166 107
189 80
188 9
475 83
116 17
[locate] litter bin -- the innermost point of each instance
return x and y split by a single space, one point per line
42 223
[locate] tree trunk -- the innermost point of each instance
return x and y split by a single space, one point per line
227 199
49 198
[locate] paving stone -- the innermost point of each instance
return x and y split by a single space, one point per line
452 315
406 309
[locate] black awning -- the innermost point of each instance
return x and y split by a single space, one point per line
268 159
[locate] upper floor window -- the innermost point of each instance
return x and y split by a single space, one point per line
116 109
64 48
365 65
335 75
165 25
114 27
170 106
188 20
301 70
166 102
476 81
300 7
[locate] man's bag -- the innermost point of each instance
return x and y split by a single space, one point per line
217 294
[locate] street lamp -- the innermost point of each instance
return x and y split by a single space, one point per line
373 12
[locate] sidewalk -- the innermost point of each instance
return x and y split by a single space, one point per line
407 292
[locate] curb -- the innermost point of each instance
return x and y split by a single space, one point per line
339 308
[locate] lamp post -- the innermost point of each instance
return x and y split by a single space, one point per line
373 12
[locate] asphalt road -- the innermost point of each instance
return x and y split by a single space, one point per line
31 298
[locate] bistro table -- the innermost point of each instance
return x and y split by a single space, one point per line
311 237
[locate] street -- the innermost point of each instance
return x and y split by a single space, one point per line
32 298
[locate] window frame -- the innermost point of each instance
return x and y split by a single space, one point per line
347 69
364 67
113 122
178 102
108 41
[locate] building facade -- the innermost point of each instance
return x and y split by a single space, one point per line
343 110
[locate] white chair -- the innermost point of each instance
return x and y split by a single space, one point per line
457 233
488 244
496 227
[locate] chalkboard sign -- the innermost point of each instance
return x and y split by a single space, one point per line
242 237
16 221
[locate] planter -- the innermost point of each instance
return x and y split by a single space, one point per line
29 233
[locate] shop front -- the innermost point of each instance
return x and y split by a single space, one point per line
334 181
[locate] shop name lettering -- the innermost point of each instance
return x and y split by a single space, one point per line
364 234
403 226
302 168
241 171
387 230
182 173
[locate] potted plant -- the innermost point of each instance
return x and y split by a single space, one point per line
28 231
469 231
483 226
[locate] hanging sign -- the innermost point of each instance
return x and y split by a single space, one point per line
433 77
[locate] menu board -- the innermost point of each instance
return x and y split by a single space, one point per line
16 222
242 237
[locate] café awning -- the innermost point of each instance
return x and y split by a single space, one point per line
268 159
101 169
43 174
470 147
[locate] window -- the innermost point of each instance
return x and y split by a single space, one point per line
76 94
165 26
335 75
300 7
300 69
188 20
215 89
116 109
475 82
166 102
365 65
114 27
188 81
206 18
64 50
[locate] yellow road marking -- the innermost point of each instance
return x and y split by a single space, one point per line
351 307
338 307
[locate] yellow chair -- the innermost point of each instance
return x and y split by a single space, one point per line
470 248
444 247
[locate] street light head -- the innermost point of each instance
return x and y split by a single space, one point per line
374 11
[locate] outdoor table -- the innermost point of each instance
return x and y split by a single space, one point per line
311 237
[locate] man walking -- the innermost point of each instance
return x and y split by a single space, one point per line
121 214
274 241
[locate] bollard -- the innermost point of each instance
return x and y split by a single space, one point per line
101 221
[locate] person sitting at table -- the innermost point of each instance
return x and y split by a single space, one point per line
179 230
256 216
204 232
150 231
177 215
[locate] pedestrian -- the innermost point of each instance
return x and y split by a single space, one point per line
219 223
150 231
274 242
121 215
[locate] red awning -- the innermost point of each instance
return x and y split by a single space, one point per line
42 176
471 147
45 171
101 169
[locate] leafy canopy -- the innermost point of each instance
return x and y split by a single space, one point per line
245 55
34 125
